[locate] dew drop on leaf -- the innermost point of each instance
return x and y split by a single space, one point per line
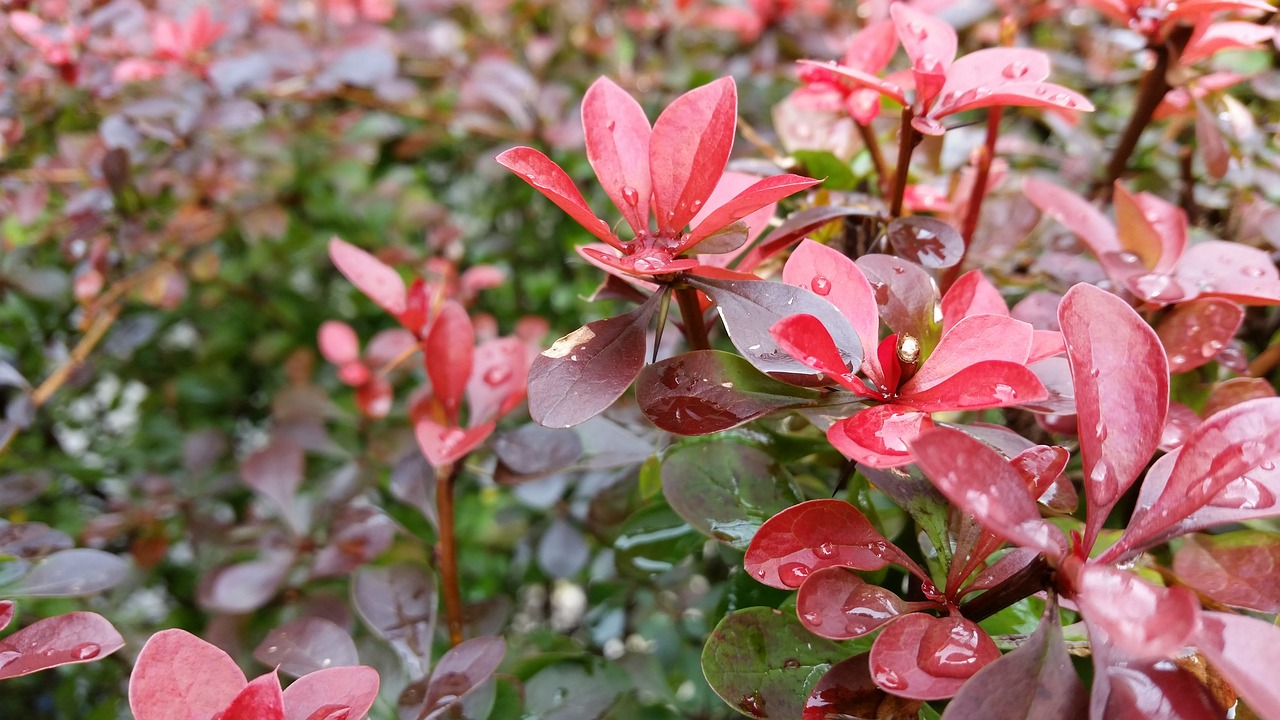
497 375
793 574
821 285
889 680
826 550
1014 70
86 651
631 195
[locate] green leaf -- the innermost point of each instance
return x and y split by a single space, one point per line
726 488
654 540
764 662
823 164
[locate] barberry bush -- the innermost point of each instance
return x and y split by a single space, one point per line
925 359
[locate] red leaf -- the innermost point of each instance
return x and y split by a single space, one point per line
1246 651
305 645
847 690
1210 140
1036 680
379 283
989 384
547 178
805 338
879 436
1236 569
261 699
617 140
447 352
6 613
1121 380
1193 333
688 151
178 675
321 694
761 194
1232 271
973 340
338 342
443 445
584 372
835 603
928 658
1081 218
979 481
817 534
971 294
76 637
1142 620
833 276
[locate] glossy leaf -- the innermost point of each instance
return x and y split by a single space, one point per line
1125 687
817 534
306 645
688 150
6 613
971 294
1073 211
764 663
327 694
904 294
1232 271
726 488
972 340
70 573
459 672
1142 620
750 308
847 690
1121 380
617 142
1034 681
835 603
831 275
178 675
261 699
761 194
987 384
1238 646
1194 332
75 637
371 276
547 178
805 338
1236 568
707 391
983 484
398 602
880 436
583 372
929 658
928 241
795 228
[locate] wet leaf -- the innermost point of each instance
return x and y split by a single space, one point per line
306 645
75 637
654 540
795 228
847 691
1194 332
764 662
70 573
725 488
459 672
905 296
929 658
398 602
1240 569
836 603
928 241
706 391
1238 646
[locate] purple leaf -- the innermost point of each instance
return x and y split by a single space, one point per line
1126 687
929 658
244 587
398 602
847 691
795 228
584 372
275 472
904 293
75 637
1121 381
1034 681
706 391
761 194
535 450
459 672
356 536
70 573
306 645
925 240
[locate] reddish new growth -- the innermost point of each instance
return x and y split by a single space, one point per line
667 172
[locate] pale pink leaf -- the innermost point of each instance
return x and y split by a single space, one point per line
178 675
617 140
371 276
444 444
688 151
325 694
1246 651
1142 620
1073 211
338 342
499 377
1212 36
1230 270
928 40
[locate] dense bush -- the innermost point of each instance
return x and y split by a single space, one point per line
869 297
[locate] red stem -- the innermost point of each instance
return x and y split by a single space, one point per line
448 551
877 156
986 154
695 331
908 138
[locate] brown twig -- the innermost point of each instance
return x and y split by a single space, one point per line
695 330
908 138
79 354
872 143
447 550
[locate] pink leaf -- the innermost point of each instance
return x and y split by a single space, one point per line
178 675
617 139
338 342
1033 94
971 294
321 694
1081 218
1140 619
835 603
1237 568
261 699
1121 380
928 658
6 613
1126 687
1232 271
547 178
379 283
928 40
448 351
879 436
444 445
688 150
859 77
499 377
872 47
817 534
1211 142
1213 36
305 645
904 293
972 340
978 480
1244 650
832 275
1143 222
988 384
761 194
75 637
1194 332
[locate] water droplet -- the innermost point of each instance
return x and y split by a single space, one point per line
949 652
919 30
1210 348
760 573
825 550
630 195
1255 272
791 663
86 651
889 680
1244 493
753 705
495 376
821 285
1104 481
1267 465
1176 362
611 125
1128 258
1004 393
793 574
1015 70
697 205
8 656
1158 288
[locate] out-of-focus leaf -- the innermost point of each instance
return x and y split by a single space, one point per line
1142 620
929 658
1240 647
371 276
244 587
179 675
925 240
1034 681
654 540
764 662
795 228
459 672
70 573
358 535
306 645
275 472
726 489
582 373
76 637
6 613
448 351
1237 568
535 450
706 391
1125 687
574 691
547 178
562 550
398 602
1194 332
31 540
